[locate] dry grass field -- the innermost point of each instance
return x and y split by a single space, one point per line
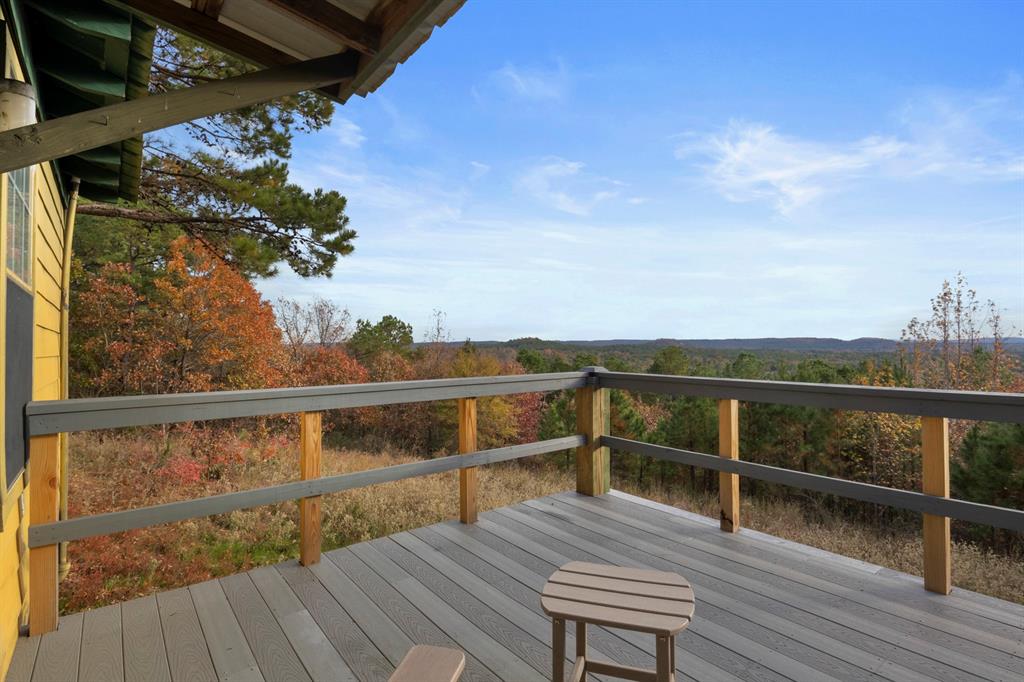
112 473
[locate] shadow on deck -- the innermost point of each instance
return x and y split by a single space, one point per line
767 609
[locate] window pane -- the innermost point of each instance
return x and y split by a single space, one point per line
19 225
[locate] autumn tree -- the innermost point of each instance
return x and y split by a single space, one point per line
200 326
960 346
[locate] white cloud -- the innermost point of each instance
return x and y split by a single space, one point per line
963 137
562 185
348 133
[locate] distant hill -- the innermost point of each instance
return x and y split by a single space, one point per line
794 344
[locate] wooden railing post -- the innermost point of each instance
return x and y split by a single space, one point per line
935 481
310 433
593 418
467 475
729 447
44 502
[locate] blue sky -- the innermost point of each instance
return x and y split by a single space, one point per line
583 170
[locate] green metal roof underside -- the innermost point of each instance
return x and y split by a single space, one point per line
83 54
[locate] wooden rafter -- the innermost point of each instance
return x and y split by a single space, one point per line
336 22
210 8
209 30
75 133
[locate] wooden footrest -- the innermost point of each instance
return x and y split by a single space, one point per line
430 664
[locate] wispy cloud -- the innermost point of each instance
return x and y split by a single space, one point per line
749 161
348 133
967 138
563 185
531 83
404 128
479 169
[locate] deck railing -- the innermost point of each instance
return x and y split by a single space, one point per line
45 421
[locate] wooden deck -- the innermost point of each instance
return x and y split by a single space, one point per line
766 609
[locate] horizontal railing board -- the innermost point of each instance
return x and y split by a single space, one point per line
1000 517
86 414
982 406
116 522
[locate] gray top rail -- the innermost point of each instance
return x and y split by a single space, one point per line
87 414
982 406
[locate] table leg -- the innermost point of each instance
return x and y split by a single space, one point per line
557 650
581 638
672 657
663 656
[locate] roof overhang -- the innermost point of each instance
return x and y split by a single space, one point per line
295 40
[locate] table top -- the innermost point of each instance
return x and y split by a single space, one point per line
630 598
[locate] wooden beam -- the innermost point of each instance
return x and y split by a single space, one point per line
593 460
729 447
71 134
203 26
44 499
310 431
334 21
210 8
467 475
935 481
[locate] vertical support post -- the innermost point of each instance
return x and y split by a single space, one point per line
557 649
467 475
44 502
729 447
593 420
310 433
935 481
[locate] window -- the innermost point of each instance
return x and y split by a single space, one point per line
19 224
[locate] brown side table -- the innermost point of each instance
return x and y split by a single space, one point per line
656 602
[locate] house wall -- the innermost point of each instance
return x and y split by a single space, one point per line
47 254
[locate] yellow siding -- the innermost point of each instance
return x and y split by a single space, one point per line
10 590
48 223
46 342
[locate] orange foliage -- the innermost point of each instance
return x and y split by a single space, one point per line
200 326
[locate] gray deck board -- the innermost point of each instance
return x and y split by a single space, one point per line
767 609
270 647
102 649
57 659
145 655
321 660
491 652
24 660
414 624
361 655
188 655
232 657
